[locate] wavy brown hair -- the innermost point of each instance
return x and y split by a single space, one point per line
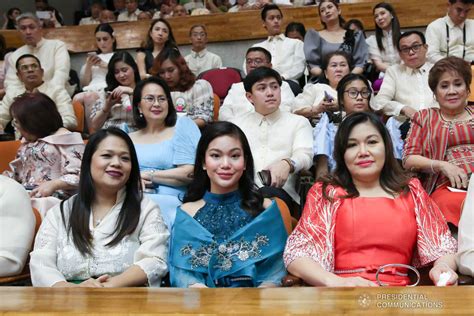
186 77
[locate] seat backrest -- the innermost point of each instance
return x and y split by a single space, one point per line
285 215
80 118
8 152
221 79
217 105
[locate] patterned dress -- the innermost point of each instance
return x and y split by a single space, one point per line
433 137
120 116
197 102
53 157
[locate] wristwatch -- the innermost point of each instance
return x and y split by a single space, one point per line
292 164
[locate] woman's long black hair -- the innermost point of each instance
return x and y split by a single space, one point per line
393 178
125 57
395 26
78 222
252 200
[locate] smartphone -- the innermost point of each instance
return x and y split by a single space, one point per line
92 54
44 15
265 177
328 97
29 187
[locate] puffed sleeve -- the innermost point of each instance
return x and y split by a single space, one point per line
43 268
434 238
185 141
312 48
360 52
203 101
313 237
152 254
71 159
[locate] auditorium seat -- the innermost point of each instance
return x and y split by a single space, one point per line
8 150
221 79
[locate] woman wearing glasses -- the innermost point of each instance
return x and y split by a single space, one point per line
366 215
165 145
353 95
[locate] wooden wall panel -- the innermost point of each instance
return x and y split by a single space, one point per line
238 26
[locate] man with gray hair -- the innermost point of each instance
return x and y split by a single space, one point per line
52 54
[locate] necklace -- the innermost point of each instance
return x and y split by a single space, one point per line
453 121
99 220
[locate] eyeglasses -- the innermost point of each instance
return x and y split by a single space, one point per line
354 93
415 48
25 68
15 124
150 99
256 61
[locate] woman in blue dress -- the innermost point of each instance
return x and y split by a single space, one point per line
226 234
165 145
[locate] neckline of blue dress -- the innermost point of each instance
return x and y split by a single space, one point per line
226 198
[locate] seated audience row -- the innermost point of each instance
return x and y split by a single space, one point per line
375 162
162 116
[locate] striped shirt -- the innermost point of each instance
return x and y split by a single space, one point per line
433 137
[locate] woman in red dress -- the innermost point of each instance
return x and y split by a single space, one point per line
440 144
367 214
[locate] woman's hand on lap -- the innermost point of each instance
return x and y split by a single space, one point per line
457 177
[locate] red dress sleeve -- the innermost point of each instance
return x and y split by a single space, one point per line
313 237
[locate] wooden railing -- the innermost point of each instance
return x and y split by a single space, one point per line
245 25
238 301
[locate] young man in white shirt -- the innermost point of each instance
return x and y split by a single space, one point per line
405 87
453 34
236 103
52 54
287 53
200 59
281 142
